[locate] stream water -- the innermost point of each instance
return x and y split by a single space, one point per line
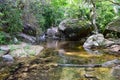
68 60
75 62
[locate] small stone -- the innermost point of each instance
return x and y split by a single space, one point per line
7 58
4 48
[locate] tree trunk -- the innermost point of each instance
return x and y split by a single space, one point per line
94 16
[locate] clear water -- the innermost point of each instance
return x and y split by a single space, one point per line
73 53
64 53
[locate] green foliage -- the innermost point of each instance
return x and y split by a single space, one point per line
105 14
10 17
47 14
3 39
52 12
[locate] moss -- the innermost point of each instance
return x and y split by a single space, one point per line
78 23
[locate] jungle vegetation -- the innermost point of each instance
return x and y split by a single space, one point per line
51 12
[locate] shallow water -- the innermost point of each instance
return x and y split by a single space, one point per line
71 60
73 53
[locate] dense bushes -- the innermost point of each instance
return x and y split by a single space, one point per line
47 14
11 18
105 14
51 13
3 38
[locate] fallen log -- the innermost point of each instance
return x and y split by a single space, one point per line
80 66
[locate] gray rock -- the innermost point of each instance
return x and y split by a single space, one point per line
114 26
111 63
27 38
42 37
96 40
15 40
52 31
63 23
2 1
75 29
108 42
115 48
4 48
7 58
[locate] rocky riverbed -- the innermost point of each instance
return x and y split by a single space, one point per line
50 64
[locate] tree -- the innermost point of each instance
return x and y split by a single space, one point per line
93 14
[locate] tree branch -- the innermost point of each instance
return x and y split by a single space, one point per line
115 3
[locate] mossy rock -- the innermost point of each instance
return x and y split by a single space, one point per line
113 27
75 29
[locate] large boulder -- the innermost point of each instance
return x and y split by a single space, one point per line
74 29
52 33
96 40
113 27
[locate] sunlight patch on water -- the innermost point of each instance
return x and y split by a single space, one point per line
82 54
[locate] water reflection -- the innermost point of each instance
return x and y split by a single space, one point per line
66 52
94 51
52 44
72 52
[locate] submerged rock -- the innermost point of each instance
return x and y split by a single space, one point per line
116 72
